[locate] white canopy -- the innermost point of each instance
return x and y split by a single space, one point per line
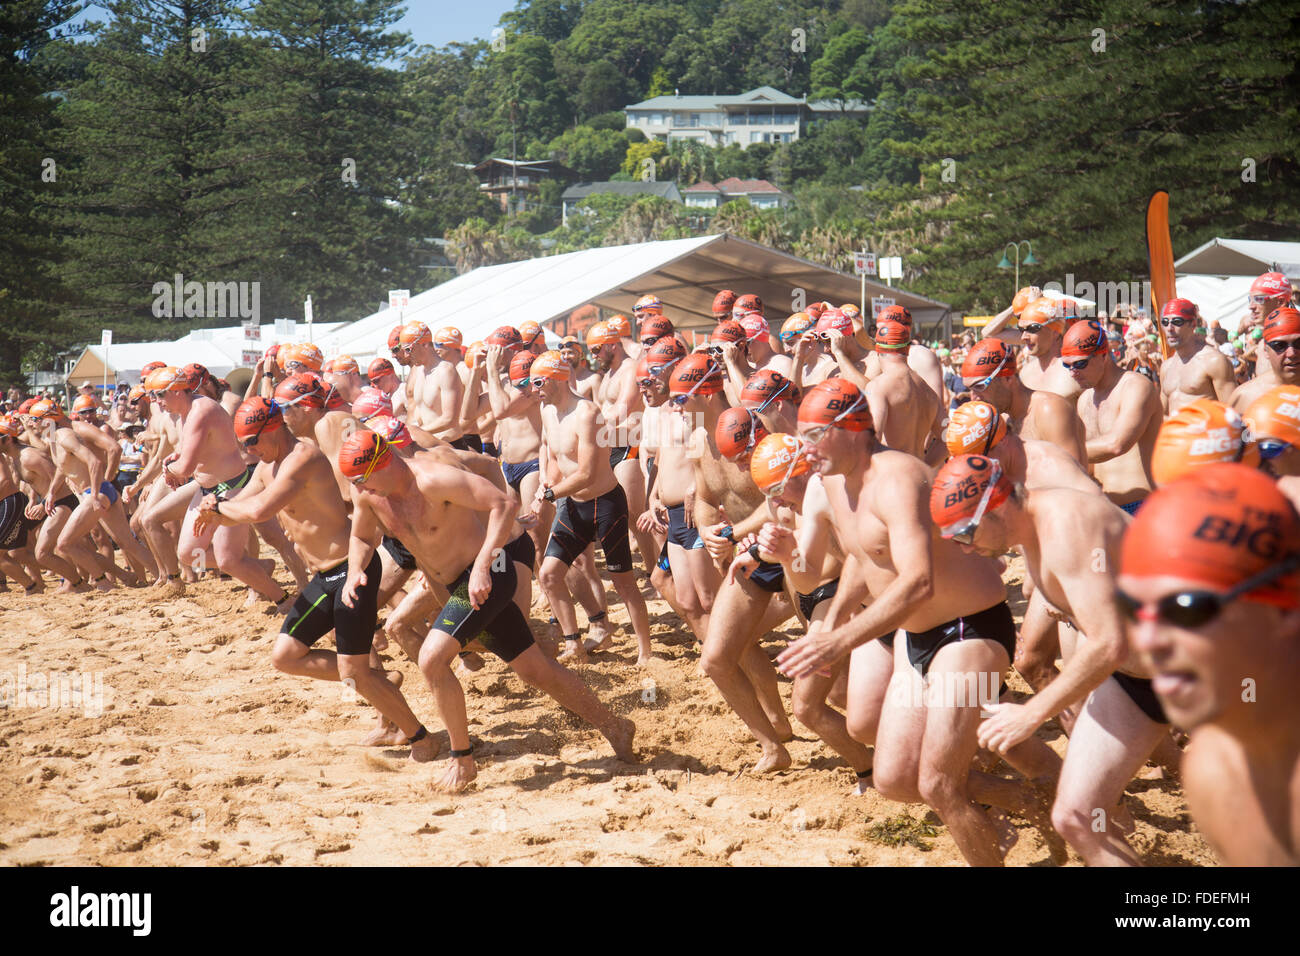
684 273
1241 257
1221 299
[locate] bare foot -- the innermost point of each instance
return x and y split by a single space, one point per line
422 751
863 784
599 637
620 738
774 758
36 587
103 584
67 587
471 662
643 659
386 735
460 774
784 732
573 652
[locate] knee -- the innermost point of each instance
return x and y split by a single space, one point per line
706 602
435 658
284 653
940 789
552 575
714 663
893 781
1073 823
808 710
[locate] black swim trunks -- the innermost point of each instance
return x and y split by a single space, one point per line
320 609
808 602
404 559
579 523
516 473
499 624
13 522
523 551
681 534
492 448
619 454
67 501
994 624
1139 691
469 442
770 577
232 484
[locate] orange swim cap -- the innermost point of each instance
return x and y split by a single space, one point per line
168 379
620 325
448 337
1218 526
1275 415
84 403
303 354
654 328
728 330
1020 301
958 495
520 366
776 459
342 365
796 325
136 394
507 337
1043 311
853 312
1201 433
151 367
835 401
766 386
648 303
363 454
394 337
304 389
379 368
988 357
722 303
737 432
601 334
1274 285
892 336
975 428
528 331
696 374
755 326
833 320
255 416
552 365
1084 339
1280 323
892 313
371 401
392 430
48 410
666 351
414 333
9 427
748 303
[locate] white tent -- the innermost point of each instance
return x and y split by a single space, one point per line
684 273
1241 257
1221 299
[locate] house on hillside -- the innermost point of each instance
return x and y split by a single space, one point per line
503 178
580 191
762 115
759 192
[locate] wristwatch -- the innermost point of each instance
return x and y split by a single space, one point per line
549 493
727 533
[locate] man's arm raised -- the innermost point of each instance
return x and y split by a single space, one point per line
1129 423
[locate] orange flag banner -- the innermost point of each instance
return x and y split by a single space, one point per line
1160 255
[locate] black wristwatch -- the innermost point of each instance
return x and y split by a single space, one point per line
729 533
549 494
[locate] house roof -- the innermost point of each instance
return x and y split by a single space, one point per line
732 186
759 96
666 189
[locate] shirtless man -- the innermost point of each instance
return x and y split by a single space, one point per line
1210 612
314 414
729 508
904 408
296 482
16 558
162 508
1281 351
920 359
457 524
781 471
1121 414
210 456
811 361
950 605
383 376
1270 291
83 455
989 374
1062 532
792 329
1193 369
620 410
36 469
435 388
589 503
344 376
1042 327
584 379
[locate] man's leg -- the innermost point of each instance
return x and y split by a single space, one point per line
552 580
436 656
897 758
46 539
115 522
169 508
1112 739
628 473
809 704
72 544
736 614
228 546
1038 644
569 691
626 586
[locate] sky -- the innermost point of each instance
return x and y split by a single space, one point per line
431 22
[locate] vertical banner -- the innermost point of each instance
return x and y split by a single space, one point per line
1160 255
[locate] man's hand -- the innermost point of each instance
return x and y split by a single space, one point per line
48 504
720 548
811 653
35 511
1011 724
173 481
356 579
804 344
129 492
689 504
527 520
99 501
493 358
835 339
777 541
480 586
744 565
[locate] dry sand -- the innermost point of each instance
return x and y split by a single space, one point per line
203 754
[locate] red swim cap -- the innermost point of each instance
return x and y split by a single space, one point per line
342 365
835 401
986 357
892 336
1274 285
394 337
728 330
766 386
507 337
302 388
892 313
363 454
722 303
666 351
1084 339
601 334
748 303
654 328
151 367
371 401
255 416
1280 323
776 459
737 432
755 326
975 428
379 368
552 365
1218 526
696 374
520 366
958 494
391 430
1179 308
833 320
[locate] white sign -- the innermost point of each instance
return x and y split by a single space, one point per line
307 310
285 328
250 358
399 298
864 263
879 305
252 330
891 267
106 338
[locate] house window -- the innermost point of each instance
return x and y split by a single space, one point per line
695 119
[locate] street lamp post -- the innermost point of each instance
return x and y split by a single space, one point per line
1029 260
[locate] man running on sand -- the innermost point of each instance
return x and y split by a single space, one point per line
1281 351
1121 415
36 469
315 414
589 503
440 511
904 408
957 628
434 388
989 373
210 456
1070 540
295 482
1208 581
1195 369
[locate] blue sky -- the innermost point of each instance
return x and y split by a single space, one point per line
433 22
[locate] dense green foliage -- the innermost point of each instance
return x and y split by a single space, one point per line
308 147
